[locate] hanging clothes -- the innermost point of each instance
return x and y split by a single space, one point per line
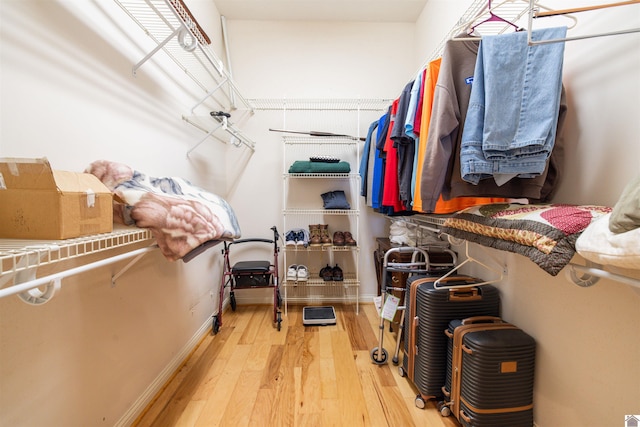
512 116
379 161
442 206
405 147
390 191
364 162
441 173
450 102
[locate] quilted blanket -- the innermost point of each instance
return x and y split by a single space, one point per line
182 217
545 233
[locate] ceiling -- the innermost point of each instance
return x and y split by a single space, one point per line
322 10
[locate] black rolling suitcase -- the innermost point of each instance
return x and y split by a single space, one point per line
427 314
490 373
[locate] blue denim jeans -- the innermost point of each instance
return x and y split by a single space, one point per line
513 107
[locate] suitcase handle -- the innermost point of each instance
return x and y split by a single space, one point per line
481 319
468 294
445 391
415 324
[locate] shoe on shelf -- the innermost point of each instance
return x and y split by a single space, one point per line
290 238
301 238
338 238
324 235
303 273
314 235
292 272
348 239
336 274
326 273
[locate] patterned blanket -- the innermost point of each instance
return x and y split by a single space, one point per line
546 233
182 217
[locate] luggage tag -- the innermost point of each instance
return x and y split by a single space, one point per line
390 307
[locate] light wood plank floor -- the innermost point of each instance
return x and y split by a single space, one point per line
250 374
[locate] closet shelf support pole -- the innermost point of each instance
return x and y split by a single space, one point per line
156 49
209 93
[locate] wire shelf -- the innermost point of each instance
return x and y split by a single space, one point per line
20 255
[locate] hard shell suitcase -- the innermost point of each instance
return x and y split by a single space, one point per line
491 373
427 314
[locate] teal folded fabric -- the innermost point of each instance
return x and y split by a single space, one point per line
302 166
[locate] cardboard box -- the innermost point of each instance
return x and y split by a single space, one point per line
37 202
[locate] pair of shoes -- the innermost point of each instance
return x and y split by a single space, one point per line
298 273
319 235
329 273
297 237
345 238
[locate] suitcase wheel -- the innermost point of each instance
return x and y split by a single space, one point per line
401 371
444 409
377 357
420 403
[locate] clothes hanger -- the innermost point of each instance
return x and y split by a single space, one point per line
492 18
469 260
463 30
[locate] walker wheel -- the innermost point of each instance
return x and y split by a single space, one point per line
279 321
375 353
232 301
215 327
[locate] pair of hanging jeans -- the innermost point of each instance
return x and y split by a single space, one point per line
511 120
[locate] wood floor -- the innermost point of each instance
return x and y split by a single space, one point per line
250 374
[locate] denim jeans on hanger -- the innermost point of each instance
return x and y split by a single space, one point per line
513 107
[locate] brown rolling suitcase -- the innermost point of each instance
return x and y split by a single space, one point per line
428 312
490 373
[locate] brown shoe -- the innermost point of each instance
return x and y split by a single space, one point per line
314 235
326 273
338 238
324 235
348 239
337 274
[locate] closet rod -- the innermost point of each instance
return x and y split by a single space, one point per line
47 280
530 41
584 9
592 275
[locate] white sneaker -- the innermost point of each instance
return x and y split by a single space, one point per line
303 273
292 272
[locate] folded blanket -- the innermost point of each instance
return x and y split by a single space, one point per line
545 233
301 166
181 216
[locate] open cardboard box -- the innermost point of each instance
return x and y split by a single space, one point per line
37 202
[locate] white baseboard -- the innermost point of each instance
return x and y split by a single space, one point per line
145 398
255 298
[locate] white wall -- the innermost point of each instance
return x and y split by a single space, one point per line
587 371
67 92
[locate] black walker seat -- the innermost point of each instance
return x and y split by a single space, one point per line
251 274
248 275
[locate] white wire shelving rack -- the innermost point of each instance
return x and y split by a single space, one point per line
21 259
176 32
